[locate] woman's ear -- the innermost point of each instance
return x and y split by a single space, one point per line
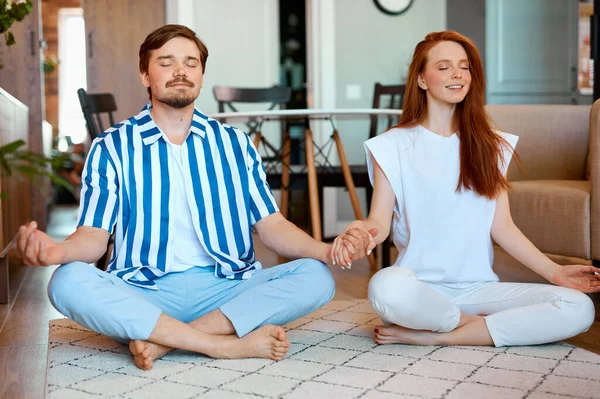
421 82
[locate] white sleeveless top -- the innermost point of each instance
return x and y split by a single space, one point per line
441 234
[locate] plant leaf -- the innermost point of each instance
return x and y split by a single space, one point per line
33 172
10 38
11 147
20 11
5 166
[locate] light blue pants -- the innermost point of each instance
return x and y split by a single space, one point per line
516 313
106 304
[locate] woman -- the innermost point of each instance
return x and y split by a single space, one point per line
441 175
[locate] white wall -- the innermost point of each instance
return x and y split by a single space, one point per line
243 43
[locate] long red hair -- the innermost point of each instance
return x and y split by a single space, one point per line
480 146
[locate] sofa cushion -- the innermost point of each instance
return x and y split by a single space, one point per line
553 214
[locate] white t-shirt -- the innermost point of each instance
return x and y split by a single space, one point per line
187 248
441 234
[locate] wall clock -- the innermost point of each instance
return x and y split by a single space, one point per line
393 7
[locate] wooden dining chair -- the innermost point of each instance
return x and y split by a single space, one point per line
95 107
276 96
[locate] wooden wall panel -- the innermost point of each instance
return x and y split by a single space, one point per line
15 209
115 29
21 77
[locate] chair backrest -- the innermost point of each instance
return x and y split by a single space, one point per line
275 95
93 107
553 139
386 97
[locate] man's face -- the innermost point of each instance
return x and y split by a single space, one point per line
174 73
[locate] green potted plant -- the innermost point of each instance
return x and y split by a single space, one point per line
15 161
50 64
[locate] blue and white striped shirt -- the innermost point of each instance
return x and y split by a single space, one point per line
125 183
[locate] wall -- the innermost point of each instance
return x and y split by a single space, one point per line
243 45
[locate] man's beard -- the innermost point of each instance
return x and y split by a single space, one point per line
177 100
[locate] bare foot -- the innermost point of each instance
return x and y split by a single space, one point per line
401 335
145 353
267 342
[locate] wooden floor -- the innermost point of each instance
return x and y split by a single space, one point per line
24 321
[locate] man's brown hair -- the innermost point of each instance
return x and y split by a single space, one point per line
160 36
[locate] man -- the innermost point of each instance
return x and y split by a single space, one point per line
182 193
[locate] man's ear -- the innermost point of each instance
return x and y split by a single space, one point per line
145 79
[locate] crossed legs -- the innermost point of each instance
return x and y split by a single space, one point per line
515 313
194 310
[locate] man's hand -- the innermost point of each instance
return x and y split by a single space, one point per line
580 277
354 243
36 248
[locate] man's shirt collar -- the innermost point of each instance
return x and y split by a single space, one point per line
151 132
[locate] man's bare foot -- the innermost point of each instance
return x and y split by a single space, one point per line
267 342
401 335
145 353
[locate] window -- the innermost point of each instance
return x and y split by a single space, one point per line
72 74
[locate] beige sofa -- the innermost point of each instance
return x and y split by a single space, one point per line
555 198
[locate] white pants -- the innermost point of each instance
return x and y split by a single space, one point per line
516 313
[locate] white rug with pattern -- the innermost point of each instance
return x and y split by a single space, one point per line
332 356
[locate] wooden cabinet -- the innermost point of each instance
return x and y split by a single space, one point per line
21 77
532 51
115 29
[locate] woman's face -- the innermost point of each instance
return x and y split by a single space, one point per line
446 77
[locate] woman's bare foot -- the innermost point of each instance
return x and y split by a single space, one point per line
145 353
401 335
267 342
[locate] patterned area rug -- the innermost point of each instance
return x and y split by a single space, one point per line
332 355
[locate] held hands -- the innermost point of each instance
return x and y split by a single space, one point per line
36 248
354 243
580 277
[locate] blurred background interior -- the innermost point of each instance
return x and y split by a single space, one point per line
329 53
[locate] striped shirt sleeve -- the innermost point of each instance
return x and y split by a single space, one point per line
262 203
99 190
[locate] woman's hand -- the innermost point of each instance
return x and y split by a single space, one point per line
580 277
354 243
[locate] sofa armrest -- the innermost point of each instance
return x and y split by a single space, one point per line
594 177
